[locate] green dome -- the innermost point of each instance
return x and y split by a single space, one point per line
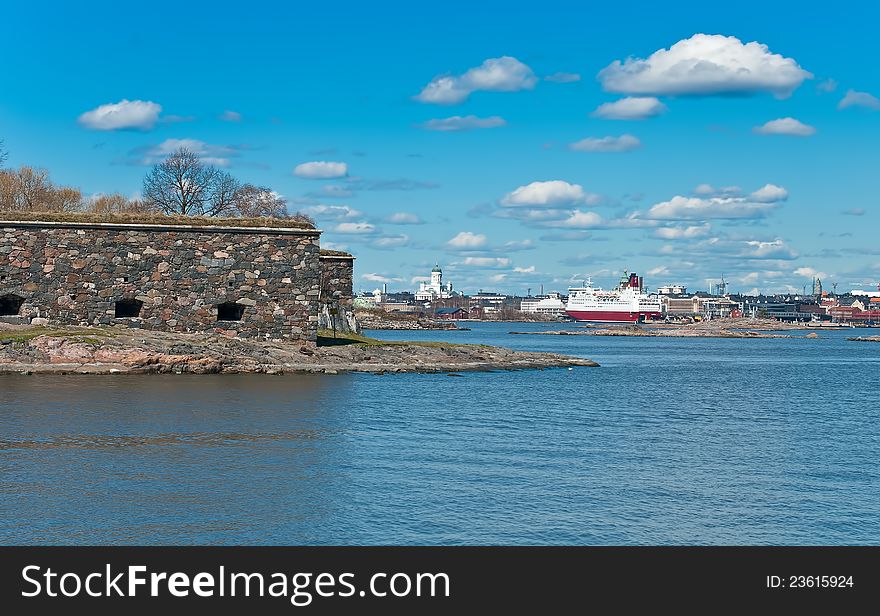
437 269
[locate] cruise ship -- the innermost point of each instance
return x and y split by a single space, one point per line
628 303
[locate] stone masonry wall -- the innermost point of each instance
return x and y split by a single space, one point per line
73 273
337 284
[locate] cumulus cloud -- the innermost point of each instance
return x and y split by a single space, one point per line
332 212
355 228
859 99
463 123
465 240
769 193
321 170
387 242
504 74
630 108
682 233
785 126
624 143
404 218
230 116
487 261
561 77
708 189
208 153
577 219
374 277
524 270
706 64
728 205
125 114
809 272
553 193
772 250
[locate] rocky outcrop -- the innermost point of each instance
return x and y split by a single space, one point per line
97 350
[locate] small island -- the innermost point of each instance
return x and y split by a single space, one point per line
121 350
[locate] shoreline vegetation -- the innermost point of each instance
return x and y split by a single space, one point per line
119 350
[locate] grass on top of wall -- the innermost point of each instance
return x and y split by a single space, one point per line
293 222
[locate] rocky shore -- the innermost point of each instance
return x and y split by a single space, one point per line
865 339
115 350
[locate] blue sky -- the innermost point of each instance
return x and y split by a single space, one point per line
746 143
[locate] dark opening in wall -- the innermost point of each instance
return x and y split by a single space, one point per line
230 311
10 304
128 308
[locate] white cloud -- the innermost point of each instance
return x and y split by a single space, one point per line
487 261
374 277
682 233
854 211
809 272
577 219
321 170
777 249
706 64
630 108
525 270
333 212
391 241
550 194
209 154
465 240
498 278
463 123
230 116
859 99
785 126
141 115
624 143
827 85
355 228
773 250
708 189
403 218
695 208
504 74
769 193
561 77
659 271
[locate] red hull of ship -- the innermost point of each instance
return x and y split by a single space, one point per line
599 316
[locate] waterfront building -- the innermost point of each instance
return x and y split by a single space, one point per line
436 289
672 289
550 304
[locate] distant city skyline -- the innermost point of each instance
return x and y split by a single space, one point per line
515 148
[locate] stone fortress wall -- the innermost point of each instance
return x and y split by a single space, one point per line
242 281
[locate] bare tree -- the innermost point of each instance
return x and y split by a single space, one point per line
27 189
223 193
258 201
3 153
182 184
116 203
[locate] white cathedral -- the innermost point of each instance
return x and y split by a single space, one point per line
428 292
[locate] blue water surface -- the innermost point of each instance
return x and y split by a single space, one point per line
670 441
